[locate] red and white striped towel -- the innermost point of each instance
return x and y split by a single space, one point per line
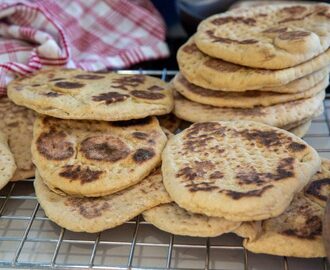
86 34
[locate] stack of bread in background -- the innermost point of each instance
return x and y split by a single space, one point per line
268 64
96 144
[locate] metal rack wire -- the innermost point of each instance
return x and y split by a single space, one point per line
28 239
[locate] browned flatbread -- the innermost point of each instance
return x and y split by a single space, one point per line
247 99
216 74
95 158
298 231
78 94
269 37
98 214
239 170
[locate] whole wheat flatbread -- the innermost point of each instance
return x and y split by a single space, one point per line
239 170
271 36
286 115
98 214
95 158
246 99
78 94
176 220
216 74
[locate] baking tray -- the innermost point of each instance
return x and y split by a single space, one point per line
28 239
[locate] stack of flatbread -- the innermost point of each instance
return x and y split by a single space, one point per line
96 144
268 64
260 182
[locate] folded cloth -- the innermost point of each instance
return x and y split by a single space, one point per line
91 35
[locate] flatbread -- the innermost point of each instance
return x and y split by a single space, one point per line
248 99
91 158
17 123
7 161
77 94
176 220
271 36
211 73
239 170
278 115
298 231
98 214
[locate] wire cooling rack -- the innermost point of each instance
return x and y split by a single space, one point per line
28 239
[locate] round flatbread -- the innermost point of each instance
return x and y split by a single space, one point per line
278 115
302 129
77 94
17 123
239 170
211 73
298 231
176 220
7 161
271 37
98 214
246 99
91 158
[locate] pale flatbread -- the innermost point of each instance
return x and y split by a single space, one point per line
17 123
279 115
7 161
239 170
176 220
98 214
216 74
271 36
92 158
248 99
77 94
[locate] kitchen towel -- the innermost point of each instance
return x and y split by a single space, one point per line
86 34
